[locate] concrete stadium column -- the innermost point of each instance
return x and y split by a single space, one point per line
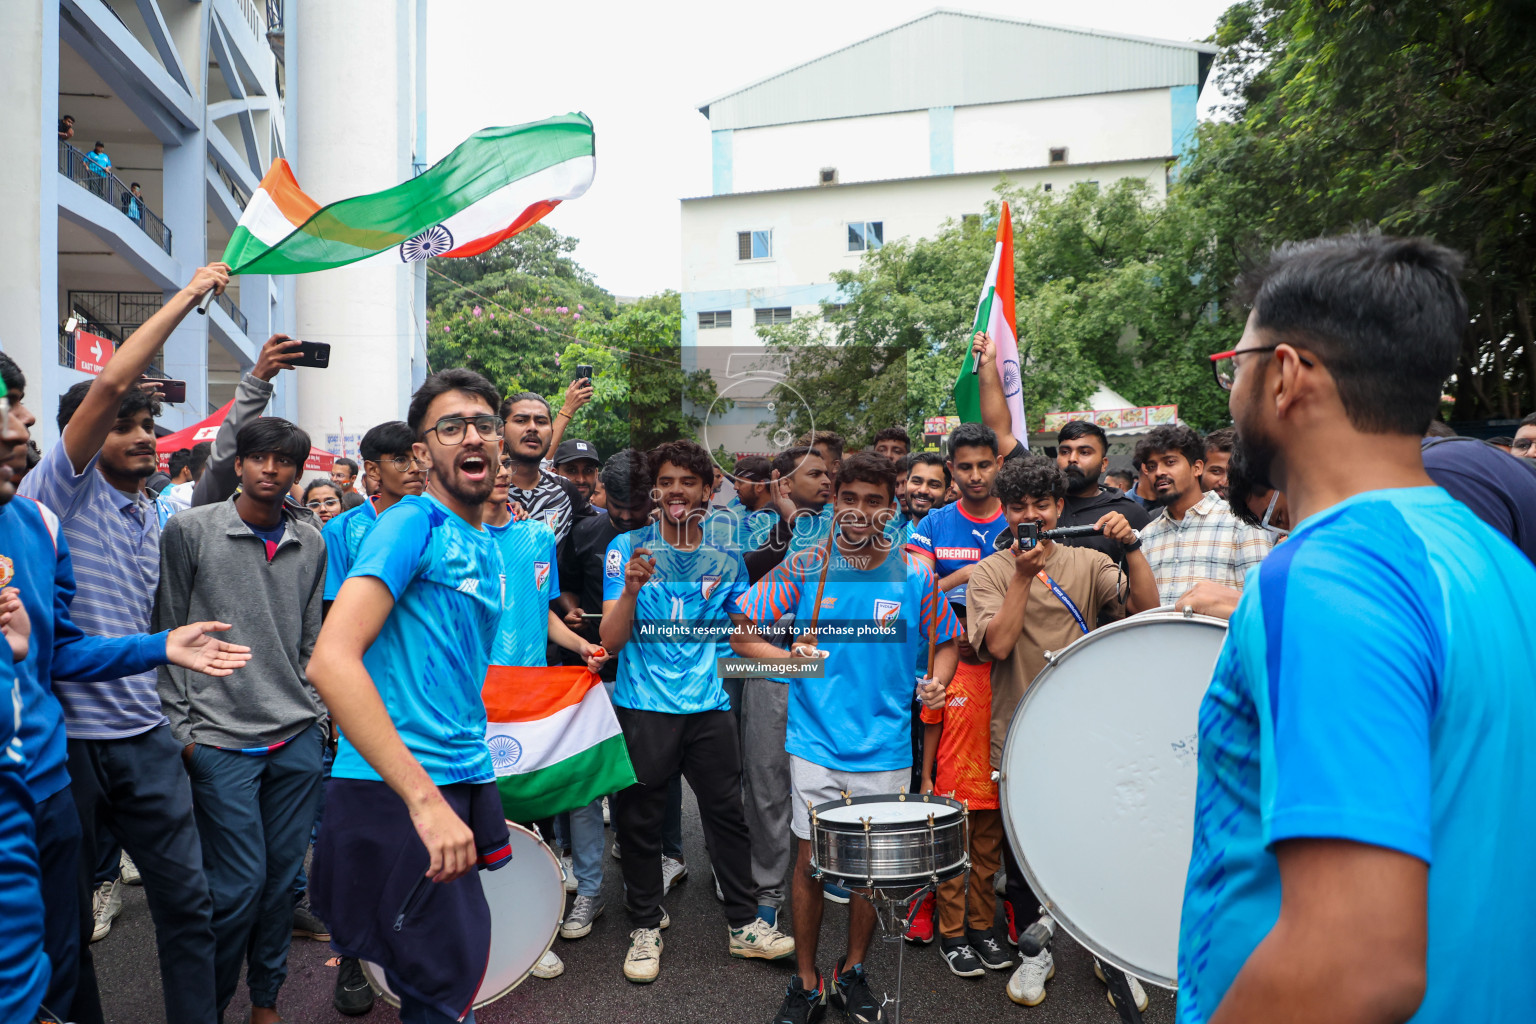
29 81
352 119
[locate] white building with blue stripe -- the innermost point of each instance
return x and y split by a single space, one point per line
889 138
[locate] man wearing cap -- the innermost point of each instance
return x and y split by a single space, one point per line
577 462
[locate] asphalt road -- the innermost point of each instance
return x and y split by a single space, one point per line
699 981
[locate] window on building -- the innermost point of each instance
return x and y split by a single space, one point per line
714 318
1058 154
767 316
754 245
1047 186
866 234
833 312
828 176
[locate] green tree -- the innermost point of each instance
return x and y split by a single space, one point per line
1409 117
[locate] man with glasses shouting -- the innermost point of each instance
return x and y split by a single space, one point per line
412 804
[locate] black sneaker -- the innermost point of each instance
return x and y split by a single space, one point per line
994 956
850 993
353 996
961 958
801 1006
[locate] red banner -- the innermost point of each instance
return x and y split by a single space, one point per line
92 352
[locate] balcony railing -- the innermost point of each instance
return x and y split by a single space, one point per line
110 188
228 305
236 192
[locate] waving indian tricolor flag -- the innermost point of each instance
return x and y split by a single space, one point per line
995 315
555 741
493 185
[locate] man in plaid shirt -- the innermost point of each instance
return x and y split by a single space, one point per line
1196 539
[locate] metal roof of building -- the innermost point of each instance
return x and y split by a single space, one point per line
949 58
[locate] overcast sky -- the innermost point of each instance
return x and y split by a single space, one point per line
640 72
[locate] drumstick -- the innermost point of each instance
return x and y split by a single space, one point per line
821 585
933 624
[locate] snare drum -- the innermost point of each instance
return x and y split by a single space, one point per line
889 841
527 899
1098 784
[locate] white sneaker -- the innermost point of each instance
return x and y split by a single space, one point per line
672 872
607 818
643 961
106 904
1027 986
549 966
130 870
1138 993
762 941
568 870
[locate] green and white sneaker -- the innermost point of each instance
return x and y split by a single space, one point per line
762 941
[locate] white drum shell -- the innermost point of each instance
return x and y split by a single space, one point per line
527 901
1098 784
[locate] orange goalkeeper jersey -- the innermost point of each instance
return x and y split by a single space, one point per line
963 767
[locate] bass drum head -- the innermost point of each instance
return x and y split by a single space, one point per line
527 900
1098 784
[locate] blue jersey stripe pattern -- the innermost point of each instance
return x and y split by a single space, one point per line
1376 686
343 535
533 579
430 657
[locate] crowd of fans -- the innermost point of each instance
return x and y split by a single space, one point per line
130 593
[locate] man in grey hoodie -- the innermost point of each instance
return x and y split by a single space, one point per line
253 751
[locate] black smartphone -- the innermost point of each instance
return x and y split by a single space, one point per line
313 353
583 371
172 392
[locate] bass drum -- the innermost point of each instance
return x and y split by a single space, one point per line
527 900
1098 784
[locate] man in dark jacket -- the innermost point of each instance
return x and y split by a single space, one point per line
1081 447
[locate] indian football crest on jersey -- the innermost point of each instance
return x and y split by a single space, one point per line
8 571
707 583
540 574
886 612
615 567
552 519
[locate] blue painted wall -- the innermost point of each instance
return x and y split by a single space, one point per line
941 140
720 153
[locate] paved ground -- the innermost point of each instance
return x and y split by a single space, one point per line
699 982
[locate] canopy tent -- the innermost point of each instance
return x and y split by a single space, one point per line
206 431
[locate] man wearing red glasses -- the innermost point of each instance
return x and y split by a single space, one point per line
1372 712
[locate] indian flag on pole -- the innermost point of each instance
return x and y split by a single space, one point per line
493 185
995 315
555 741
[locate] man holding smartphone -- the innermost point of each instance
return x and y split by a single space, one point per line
218 482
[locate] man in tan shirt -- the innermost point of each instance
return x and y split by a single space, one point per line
1024 602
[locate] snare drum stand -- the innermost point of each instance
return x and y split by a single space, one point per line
893 913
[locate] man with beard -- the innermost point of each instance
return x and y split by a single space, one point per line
542 494
668 612
1371 712
124 764
801 486
1218 454
1196 539
927 479
412 803
1080 451
576 462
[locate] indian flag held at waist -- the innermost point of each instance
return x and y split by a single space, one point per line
554 739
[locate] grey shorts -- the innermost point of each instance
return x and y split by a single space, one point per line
812 782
